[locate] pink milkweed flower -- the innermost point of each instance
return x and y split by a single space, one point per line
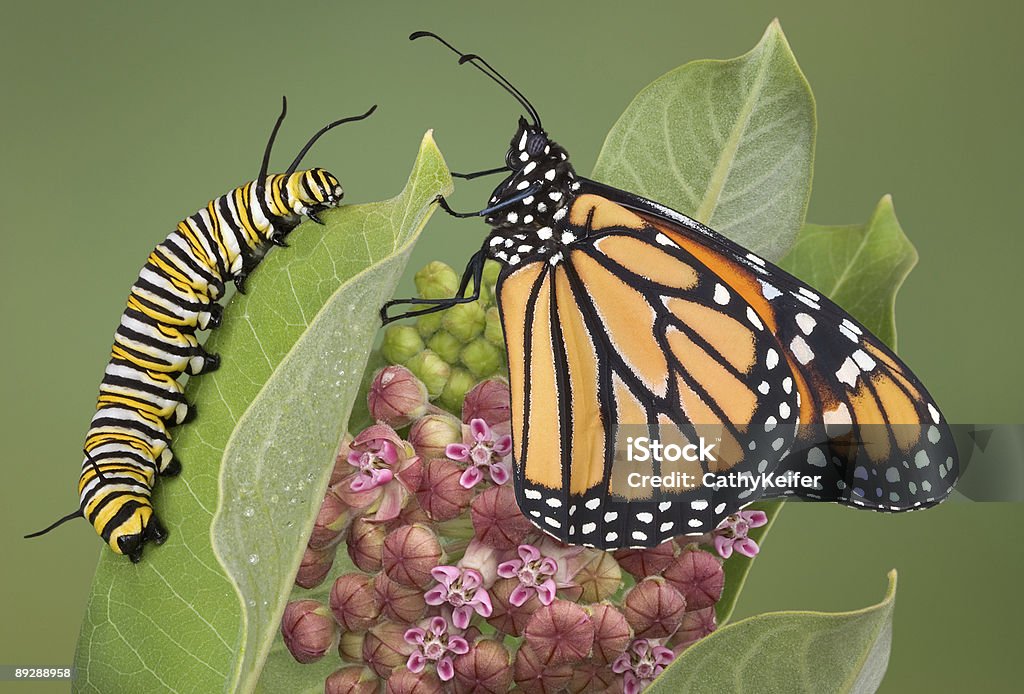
535 573
379 454
434 644
641 663
731 534
482 450
463 590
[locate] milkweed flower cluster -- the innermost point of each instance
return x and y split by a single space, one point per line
424 576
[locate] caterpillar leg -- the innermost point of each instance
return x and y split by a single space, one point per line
211 318
203 362
172 468
131 544
184 413
240 278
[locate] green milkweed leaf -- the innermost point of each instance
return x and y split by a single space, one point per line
815 652
728 142
858 266
199 614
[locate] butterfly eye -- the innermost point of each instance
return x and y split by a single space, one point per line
536 144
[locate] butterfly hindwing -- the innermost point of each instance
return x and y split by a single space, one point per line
869 428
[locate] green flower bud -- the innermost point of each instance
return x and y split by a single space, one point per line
445 345
432 370
401 343
436 280
493 332
482 358
486 297
492 269
455 389
464 321
429 323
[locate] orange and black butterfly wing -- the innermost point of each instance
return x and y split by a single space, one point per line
624 336
869 427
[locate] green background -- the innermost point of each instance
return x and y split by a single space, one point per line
120 119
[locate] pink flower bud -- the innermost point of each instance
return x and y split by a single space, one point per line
399 603
404 681
430 434
353 602
482 558
411 514
316 564
612 633
599 578
497 520
695 626
439 493
505 616
699 576
654 608
561 632
352 680
308 630
331 522
409 554
534 675
365 544
385 648
350 646
490 401
485 669
641 563
396 396
591 677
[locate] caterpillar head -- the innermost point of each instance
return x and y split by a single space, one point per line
139 527
308 192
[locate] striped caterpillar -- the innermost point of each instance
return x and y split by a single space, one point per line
175 295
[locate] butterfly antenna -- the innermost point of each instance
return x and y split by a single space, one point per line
261 179
65 519
486 68
329 126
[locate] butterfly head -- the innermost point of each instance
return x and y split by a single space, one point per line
542 182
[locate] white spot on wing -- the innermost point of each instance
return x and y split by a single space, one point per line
801 350
769 291
865 362
806 323
848 373
754 319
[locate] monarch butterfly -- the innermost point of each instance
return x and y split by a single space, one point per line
176 292
627 320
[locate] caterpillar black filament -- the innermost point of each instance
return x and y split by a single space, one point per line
175 295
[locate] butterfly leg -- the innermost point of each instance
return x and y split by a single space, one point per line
508 202
474 271
478 174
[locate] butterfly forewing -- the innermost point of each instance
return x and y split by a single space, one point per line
628 337
868 427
